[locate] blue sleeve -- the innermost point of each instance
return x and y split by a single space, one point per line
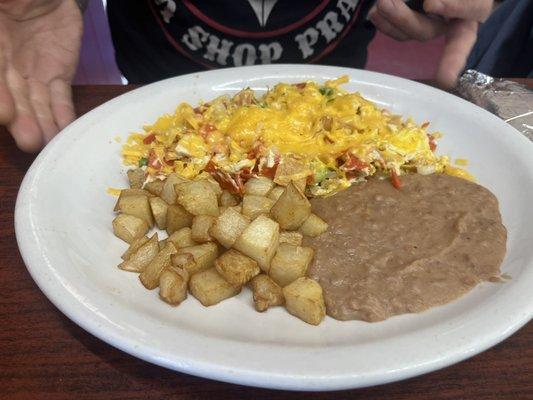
505 42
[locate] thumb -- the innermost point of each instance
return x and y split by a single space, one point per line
7 106
460 38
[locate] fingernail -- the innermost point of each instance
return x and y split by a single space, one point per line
436 7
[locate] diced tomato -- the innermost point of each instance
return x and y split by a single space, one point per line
205 130
225 180
246 174
149 139
310 180
169 162
201 109
352 174
153 160
239 184
353 163
220 148
210 166
432 144
256 151
395 180
270 172
300 85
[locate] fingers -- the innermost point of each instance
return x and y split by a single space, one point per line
40 101
40 110
412 24
7 107
460 39
385 26
474 10
61 101
24 127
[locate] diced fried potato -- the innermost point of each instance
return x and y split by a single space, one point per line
200 228
128 227
289 170
290 237
183 261
134 246
266 293
259 241
159 211
130 192
290 263
228 227
177 218
168 192
197 197
259 186
276 192
155 187
138 261
137 206
182 238
228 199
313 226
136 178
210 288
291 209
300 184
253 206
304 299
173 286
222 209
204 257
237 208
236 268
150 276
215 186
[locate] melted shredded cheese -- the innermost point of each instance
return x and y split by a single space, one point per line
342 137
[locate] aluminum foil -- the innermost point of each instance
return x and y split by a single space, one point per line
509 100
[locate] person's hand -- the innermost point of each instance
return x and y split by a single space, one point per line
459 25
39 48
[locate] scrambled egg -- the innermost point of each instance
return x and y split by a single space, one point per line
337 137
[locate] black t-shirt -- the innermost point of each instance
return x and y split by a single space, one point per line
156 39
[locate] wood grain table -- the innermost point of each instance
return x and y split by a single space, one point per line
43 355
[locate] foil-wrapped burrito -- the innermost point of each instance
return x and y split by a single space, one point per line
507 99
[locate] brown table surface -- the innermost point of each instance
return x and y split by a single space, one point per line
43 355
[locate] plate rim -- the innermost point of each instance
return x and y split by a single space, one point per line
210 370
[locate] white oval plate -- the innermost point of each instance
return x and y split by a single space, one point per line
63 226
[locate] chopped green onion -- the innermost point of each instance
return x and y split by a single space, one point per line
326 91
143 161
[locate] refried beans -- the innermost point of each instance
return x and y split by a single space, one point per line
390 251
